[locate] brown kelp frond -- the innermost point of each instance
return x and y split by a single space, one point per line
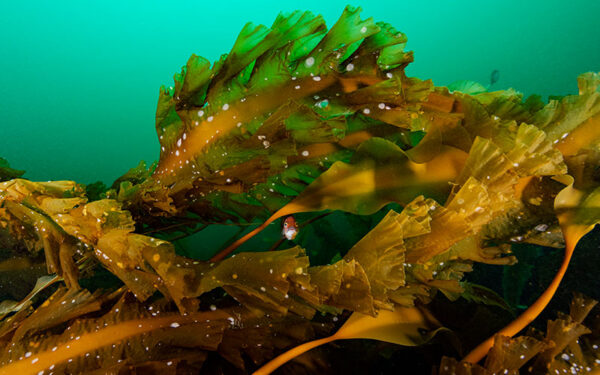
134 335
128 332
62 306
567 347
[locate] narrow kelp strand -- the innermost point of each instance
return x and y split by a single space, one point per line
275 363
408 326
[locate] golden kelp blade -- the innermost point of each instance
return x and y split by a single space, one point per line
402 327
38 362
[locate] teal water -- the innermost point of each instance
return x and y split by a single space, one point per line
79 80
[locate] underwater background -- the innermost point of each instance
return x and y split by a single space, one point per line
79 81
79 84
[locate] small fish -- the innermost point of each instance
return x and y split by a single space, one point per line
494 77
290 228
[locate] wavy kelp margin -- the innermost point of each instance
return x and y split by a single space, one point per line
297 119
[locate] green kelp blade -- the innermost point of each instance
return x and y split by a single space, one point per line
211 125
407 326
467 87
283 70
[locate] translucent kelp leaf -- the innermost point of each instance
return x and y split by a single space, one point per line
403 326
258 280
467 87
482 295
580 307
509 105
577 211
463 216
559 118
381 251
471 249
263 46
354 292
59 252
532 154
506 356
343 284
488 164
135 175
561 333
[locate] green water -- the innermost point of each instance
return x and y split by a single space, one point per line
79 80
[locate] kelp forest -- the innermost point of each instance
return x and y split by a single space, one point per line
367 222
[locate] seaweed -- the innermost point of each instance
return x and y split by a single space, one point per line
567 346
398 187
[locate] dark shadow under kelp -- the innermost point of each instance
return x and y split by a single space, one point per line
304 121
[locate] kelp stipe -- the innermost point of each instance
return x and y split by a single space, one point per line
577 210
407 326
568 346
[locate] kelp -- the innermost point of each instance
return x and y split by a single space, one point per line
568 346
300 120
406 326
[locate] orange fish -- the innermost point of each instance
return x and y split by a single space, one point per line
290 228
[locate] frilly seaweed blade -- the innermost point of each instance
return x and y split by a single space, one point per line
298 119
273 113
